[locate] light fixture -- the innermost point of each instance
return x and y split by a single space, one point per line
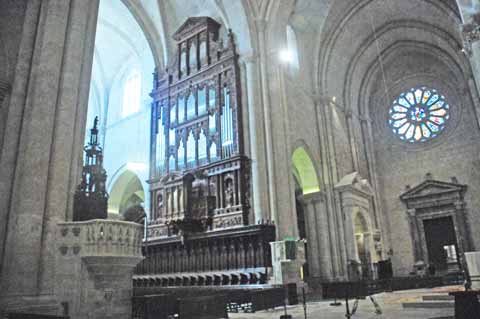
286 56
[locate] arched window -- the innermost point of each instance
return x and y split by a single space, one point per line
131 94
418 114
292 47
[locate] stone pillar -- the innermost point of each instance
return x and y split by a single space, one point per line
367 132
4 99
329 178
261 25
318 241
351 139
471 48
313 251
257 141
41 156
417 246
94 267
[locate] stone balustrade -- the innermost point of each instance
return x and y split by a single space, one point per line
100 237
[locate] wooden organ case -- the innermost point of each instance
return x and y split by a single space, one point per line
199 175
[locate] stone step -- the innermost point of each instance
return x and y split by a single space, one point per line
429 304
438 297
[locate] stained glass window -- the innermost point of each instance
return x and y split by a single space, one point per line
419 114
131 94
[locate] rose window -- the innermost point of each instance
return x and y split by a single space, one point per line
418 115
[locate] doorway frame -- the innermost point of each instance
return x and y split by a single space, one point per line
433 199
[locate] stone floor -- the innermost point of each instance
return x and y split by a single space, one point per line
390 304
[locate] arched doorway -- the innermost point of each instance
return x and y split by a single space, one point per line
307 197
362 241
126 192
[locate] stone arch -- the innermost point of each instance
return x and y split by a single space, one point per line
361 223
125 191
155 40
363 242
341 19
304 171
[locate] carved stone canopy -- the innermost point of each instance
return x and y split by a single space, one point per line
354 182
432 193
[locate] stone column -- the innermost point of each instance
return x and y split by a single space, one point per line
318 240
95 262
351 140
417 246
367 131
329 178
261 25
465 242
4 98
257 141
471 48
40 161
313 250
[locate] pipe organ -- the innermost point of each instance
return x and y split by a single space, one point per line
199 175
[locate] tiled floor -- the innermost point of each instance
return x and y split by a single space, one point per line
390 304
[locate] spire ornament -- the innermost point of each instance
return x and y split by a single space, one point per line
91 198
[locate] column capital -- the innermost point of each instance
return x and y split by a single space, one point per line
314 198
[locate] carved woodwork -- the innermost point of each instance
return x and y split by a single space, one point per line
90 201
200 176
198 171
244 252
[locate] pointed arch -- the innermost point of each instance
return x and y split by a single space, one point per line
304 171
126 191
